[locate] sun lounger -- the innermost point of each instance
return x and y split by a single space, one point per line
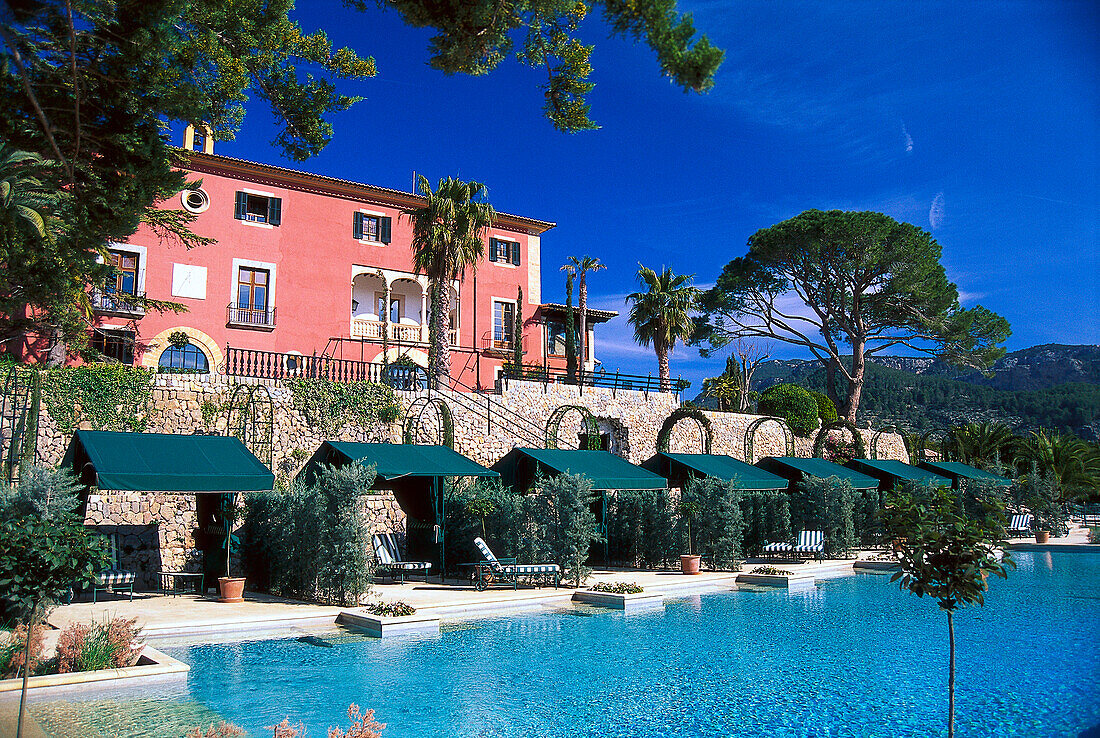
389 558
776 550
507 571
1020 525
810 543
114 580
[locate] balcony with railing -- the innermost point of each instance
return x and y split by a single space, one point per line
370 329
119 303
247 316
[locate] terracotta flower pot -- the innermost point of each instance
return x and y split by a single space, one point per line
230 589
689 563
1042 536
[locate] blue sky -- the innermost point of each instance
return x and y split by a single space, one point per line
977 121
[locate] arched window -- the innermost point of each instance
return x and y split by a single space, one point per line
186 358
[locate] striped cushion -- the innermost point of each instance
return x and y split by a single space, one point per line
1020 522
531 568
484 548
114 578
408 565
383 551
776 547
810 541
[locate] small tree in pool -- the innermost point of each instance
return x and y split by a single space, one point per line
946 555
44 550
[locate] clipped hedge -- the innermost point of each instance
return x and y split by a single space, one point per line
792 403
718 528
641 529
826 408
827 505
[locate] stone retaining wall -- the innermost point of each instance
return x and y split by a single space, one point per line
156 531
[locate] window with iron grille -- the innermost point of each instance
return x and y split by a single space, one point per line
504 323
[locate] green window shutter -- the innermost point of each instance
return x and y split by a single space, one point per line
241 206
274 210
384 229
357 226
515 253
493 245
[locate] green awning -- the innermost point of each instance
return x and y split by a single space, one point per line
395 460
681 466
163 462
604 469
892 471
795 468
957 470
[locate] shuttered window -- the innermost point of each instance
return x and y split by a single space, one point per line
502 251
366 227
258 208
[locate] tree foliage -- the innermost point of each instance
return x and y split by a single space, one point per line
792 403
867 282
92 84
662 314
945 554
474 36
447 240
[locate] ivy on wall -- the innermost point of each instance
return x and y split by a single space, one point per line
331 405
108 396
664 435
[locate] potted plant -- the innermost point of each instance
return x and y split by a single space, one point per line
689 562
1042 536
230 588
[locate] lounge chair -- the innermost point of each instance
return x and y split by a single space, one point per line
776 550
506 571
114 580
390 561
810 542
1020 525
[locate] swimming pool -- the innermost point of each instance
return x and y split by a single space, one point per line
853 657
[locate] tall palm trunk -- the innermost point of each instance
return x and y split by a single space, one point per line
582 291
440 362
662 364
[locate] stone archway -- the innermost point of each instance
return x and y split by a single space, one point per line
151 358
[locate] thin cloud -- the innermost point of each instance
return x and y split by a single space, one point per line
936 212
908 139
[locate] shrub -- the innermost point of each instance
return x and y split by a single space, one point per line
827 505
221 730
94 646
718 524
505 514
562 514
792 403
640 528
618 587
311 541
826 409
767 516
390 609
13 651
771 570
1094 535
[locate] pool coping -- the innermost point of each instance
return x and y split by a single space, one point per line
619 600
157 664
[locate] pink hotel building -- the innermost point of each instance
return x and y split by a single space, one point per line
300 270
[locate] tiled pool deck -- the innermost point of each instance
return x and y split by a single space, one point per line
189 615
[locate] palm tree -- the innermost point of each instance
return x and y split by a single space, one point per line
581 267
661 314
1074 462
25 201
979 444
448 238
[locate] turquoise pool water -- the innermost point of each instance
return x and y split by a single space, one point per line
853 657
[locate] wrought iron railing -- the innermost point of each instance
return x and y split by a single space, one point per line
614 381
122 303
275 365
244 315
